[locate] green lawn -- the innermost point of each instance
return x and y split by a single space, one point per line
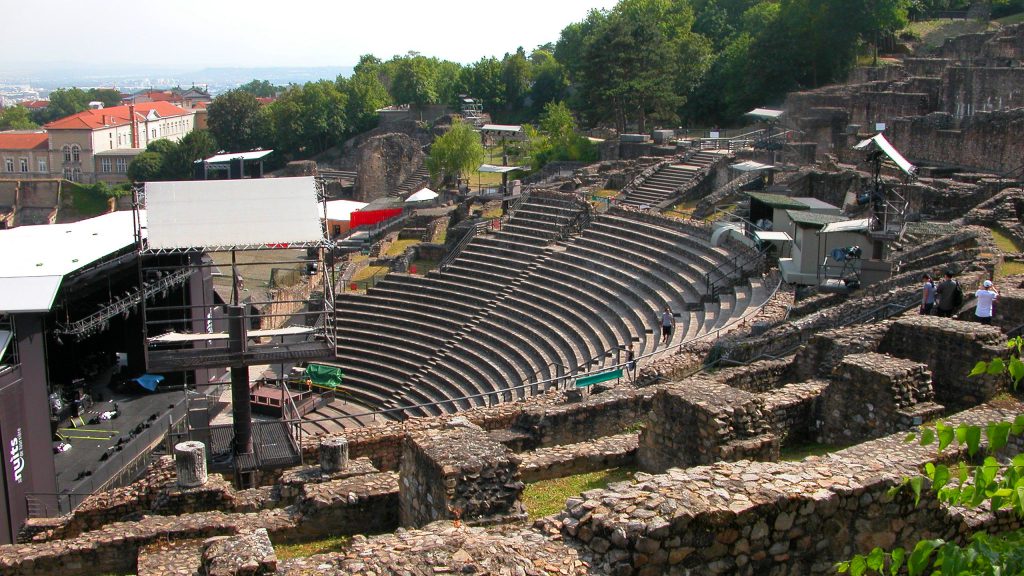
398 246
1010 269
934 32
1011 19
1004 242
548 496
305 549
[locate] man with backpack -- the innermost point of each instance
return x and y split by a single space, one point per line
949 296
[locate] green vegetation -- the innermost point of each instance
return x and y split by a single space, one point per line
682 210
1005 242
369 272
167 160
398 247
456 153
306 549
1010 268
1011 19
424 266
68 101
932 33
547 497
16 117
88 200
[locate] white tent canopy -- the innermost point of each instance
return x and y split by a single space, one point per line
422 196
341 210
751 166
847 226
230 213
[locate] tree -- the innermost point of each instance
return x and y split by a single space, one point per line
309 119
108 96
63 102
414 81
235 121
366 94
515 78
559 140
261 88
482 80
455 153
964 484
549 81
179 163
146 167
16 118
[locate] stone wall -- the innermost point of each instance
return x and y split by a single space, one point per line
950 348
571 459
825 351
700 421
757 377
874 395
793 411
458 474
752 518
992 141
385 162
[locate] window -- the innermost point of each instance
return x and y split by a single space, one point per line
42 165
105 165
23 164
9 164
154 133
67 173
76 153
76 175
67 153
122 165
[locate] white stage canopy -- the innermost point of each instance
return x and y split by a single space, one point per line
889 150
422 196
36 258
232 213
493 169
254 155
847 226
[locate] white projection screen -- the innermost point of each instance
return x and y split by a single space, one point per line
225 213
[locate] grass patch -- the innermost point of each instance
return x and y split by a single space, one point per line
492 210
797 453
398 246
548 496
369 272
1004 242
934 32
424 266
306 549
1010 269
723 210
607 193
682 210
1011 19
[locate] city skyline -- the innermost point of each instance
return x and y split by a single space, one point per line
195 35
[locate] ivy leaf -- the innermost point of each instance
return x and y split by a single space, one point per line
941 477
980 368
876 559
1018 425
918 561
973 439
915 484
927 436
996 367
998 435
945 433
961 434
898 556
858 566
1016 369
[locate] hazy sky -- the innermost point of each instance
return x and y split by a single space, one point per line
193 34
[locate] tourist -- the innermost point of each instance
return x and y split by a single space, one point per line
945 296
986 296
927 295
668 322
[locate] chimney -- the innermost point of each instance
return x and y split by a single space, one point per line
134 124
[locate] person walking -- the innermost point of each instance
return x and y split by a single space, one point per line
986 296
945 296
927 295
668 322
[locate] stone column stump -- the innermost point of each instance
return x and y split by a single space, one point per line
190 463
333 455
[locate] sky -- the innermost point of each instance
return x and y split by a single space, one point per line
195 34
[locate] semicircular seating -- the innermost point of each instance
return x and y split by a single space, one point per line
532 302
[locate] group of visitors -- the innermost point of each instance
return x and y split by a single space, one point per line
948 296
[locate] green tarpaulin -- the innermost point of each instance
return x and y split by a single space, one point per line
325 376
598 378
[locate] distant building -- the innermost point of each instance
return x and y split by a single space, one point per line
24 154
189 99
98 145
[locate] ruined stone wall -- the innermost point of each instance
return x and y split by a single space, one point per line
873 395
793 411
757 377
992 141
968 90
823 353
385 162
700 421
595 416
950 348
750 518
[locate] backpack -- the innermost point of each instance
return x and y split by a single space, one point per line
958 296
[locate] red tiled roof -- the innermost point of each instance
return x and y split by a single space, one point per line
266 100
114 116
34 104
23 140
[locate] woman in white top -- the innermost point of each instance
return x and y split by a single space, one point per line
986 296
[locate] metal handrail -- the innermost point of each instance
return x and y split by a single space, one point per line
712 286
455 251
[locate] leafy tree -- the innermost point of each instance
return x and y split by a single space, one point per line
235 121
413 81
16 118
559 139
146 167
261 88
108 96
515 77
455 153
309 119
483 80
549 80
179 163
63 102
961 484
366 94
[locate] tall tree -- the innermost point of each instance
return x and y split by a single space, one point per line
413 81
482 80
179 163
235 121
456 152
515 76
366 94
261 88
